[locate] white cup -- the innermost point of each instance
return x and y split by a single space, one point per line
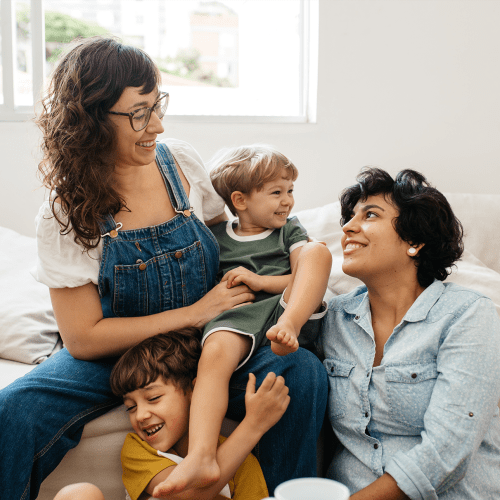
310 488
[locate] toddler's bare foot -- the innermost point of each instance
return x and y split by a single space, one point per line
193 472
283 338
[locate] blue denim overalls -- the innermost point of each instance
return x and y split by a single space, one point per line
145 271
153 269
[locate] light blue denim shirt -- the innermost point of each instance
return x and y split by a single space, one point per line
428 414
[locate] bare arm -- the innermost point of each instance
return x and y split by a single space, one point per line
257 282
220 218
383 488
87 335
263 409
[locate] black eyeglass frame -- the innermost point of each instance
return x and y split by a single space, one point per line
163 95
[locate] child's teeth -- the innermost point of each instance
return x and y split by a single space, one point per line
152 431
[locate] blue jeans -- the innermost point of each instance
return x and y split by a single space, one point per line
43 414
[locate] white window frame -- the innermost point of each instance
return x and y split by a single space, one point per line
9 112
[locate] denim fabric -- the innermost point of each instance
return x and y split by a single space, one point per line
428 414
43 413
287 450
158 268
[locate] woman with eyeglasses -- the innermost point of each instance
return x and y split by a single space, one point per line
124 247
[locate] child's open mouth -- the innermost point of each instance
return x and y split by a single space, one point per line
153 430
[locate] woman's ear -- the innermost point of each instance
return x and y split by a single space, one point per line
239 200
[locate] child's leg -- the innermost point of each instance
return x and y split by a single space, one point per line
80 491
221 355
303 296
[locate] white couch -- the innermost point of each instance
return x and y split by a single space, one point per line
29 332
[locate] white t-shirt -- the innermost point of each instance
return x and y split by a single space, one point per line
63 263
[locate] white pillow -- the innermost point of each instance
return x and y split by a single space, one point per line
472 273
28 330
477 213
323 224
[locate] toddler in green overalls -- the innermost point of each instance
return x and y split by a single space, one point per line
271 253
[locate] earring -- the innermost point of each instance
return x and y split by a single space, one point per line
412 251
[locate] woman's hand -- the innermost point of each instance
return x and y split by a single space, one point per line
240 275
220 299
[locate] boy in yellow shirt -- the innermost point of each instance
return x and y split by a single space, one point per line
156 380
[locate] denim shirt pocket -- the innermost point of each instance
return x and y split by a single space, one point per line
409 391
339 372
164 282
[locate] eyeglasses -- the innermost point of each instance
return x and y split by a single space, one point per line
139 118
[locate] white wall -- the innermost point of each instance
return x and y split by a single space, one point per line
402 84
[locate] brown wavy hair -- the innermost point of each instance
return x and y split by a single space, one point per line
78 137
171 356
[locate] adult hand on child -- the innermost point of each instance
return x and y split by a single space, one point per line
266 406
220 299
241 275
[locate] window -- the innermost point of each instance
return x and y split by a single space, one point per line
220 60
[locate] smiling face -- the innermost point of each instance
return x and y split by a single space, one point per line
372 248
269 207
159 414
135 148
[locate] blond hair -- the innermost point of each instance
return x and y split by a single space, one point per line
245 168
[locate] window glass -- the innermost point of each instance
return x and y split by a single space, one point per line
228 57
23 65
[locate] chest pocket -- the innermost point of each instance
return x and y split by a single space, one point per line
339 372
167 281
409 390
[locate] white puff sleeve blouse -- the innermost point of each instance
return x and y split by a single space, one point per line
63 263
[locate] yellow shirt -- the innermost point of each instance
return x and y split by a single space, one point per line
141 463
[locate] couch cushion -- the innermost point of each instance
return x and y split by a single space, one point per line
28 330
479 216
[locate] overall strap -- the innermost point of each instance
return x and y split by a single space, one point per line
168 169
109 227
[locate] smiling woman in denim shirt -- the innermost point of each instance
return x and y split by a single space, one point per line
413 363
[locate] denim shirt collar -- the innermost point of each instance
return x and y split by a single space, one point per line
359 304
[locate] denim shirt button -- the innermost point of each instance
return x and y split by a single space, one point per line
471 414
366 414
142 266
178 255
375 446
413 375
356 317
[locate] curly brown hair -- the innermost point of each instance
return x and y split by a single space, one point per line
78 137
172 356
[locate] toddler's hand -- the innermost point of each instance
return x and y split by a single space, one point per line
240 275
266 406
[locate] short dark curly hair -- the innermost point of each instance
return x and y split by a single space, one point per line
425 217
173 356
